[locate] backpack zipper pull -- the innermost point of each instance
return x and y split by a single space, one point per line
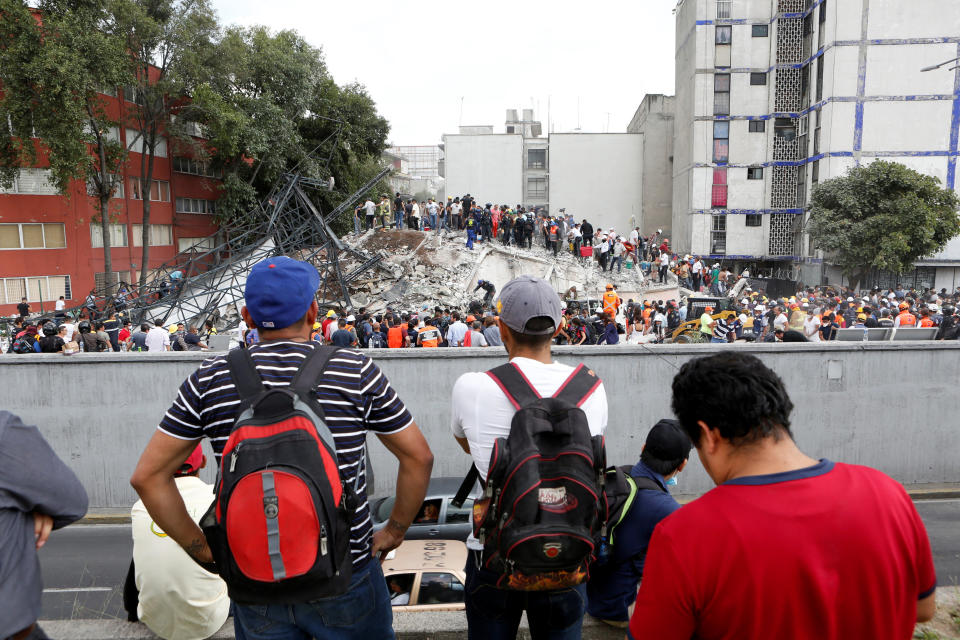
233 458
323 540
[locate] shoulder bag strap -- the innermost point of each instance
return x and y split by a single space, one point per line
514 385
245 376
579 386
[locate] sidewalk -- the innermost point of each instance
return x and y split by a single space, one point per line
452 625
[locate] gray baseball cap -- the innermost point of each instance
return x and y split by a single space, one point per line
525 298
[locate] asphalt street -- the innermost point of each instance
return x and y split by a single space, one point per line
84 566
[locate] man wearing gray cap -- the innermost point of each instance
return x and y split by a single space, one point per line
529 318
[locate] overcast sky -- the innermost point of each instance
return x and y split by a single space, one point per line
426 80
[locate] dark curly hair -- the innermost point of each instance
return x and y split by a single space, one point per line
734 393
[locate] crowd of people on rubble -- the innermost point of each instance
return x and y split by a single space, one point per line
519 226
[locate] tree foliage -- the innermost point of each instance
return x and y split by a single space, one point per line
882 216
52 72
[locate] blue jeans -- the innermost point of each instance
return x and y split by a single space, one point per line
433 221
471 237
494 613
363 612
398 221
356 224
716 339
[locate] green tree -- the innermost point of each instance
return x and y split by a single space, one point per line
882 216
53 71
169 43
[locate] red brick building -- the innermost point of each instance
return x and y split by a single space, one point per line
50 247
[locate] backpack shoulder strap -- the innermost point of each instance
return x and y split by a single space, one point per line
514 385
578 386
245 375
648 483
305 380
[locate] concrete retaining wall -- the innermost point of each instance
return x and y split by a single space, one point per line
890 406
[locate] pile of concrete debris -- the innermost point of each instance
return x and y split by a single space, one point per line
424 269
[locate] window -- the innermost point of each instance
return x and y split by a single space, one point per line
133 94
100 278
117 192
754 219
815 172
721 142
755 173
194 167
137 144
439 588
161 235
195 205
757 79
35 182
159 190
510 128
32 236
461 514
537 188
35 289
195 244
721 94
718 235
108 91
718 198
724 34
784 128
118 235
761 30
110 133
758 126
823 12
537 159
723 9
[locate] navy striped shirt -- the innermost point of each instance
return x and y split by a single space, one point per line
355 396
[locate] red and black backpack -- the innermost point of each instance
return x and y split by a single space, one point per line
543 508
279 526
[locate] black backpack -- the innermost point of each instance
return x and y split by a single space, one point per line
279 526
619 492
541 511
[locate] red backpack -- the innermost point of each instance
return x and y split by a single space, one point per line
279 526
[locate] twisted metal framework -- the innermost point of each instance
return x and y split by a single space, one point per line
207 284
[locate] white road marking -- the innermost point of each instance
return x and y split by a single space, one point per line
74 589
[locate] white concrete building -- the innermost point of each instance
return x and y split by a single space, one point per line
593 175
774 96
654 119
598 176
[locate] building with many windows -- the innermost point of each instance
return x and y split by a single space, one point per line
50 246
774 96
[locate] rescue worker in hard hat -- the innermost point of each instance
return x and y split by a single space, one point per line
611 302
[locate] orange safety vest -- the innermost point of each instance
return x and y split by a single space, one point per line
426 341
395 337
926 322
907 319
611 301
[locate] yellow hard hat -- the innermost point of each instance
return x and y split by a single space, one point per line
173 328
330 313
316 325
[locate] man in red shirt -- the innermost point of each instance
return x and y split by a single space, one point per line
785 546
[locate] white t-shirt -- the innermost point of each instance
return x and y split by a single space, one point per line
664 259
698 267
71 328
455 209
634 237
370 208
481 412
60 305
811 328
178 599
781 321
157 339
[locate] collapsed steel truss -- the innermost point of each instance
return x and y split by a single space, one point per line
207 283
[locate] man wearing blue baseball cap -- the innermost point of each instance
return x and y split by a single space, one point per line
355 397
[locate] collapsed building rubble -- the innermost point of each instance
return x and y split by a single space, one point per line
419 270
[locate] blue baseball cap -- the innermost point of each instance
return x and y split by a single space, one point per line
279 291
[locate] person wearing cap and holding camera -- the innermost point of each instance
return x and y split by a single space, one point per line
529 317
613 585
355 397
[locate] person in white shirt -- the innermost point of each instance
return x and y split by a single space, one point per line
174 596
664 262
457 331
61 304
158 338
370 212
781 321
529 311
697 275
71 329
811 326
